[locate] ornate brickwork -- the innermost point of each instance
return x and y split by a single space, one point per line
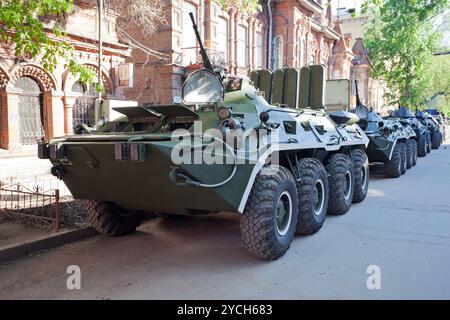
38 74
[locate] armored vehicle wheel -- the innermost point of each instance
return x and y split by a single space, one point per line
435 139
428 143
341 182
109 219
404 156
409 154
270 216
361 167
422 147
392 168
312 196
413 147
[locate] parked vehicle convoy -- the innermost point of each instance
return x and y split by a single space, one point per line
289 162
420 129
390 142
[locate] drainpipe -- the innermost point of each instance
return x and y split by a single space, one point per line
269 6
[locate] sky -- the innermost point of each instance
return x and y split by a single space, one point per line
346 3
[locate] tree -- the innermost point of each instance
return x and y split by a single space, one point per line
401 40
24 24
248 6
142 15
439 71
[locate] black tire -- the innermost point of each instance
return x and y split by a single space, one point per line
409 154
260 230
361 167
428 142
422 146
435 139
312 196
412 144
404 156
108 219
341 182
392 168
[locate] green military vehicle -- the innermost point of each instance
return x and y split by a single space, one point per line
391 141
224 148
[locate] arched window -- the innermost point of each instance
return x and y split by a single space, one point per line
277 53
222 39
259 50
242 42
301 52
188 39
83 111
31 111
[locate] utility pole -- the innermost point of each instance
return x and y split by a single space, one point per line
100 48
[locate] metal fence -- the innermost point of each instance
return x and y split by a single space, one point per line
30 203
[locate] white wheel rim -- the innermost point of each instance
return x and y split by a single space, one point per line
363 177
348 184
283 213
319 197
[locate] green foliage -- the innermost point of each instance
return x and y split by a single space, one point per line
439 71
401 41
23 23
247 6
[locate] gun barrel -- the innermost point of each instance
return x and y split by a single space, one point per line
205 58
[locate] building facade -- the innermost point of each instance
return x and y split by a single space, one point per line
303 33
35 103
371 91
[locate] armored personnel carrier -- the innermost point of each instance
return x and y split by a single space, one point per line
421 131
433 128
391 141
281 167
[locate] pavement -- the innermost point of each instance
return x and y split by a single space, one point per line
402 231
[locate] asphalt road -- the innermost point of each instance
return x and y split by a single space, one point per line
403 227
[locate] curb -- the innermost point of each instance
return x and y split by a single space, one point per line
13 252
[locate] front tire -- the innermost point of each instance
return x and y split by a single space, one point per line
270 216
109 219
312 196
361 167
392 168
341 182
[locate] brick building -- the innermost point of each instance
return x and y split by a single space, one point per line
36 103
371 91
303 33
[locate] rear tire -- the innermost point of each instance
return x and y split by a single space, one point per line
312 196
428 142
341 183
392 168
270 216
404 155
108 219
422 146
361 166
413 147
409 154
435 139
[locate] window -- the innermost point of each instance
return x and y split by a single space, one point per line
259 50
277 53
242 46
31 111
189 41
301 53
222 39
